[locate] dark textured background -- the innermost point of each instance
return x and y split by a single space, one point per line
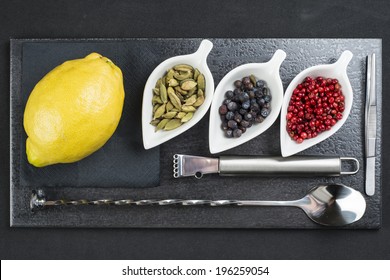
110 19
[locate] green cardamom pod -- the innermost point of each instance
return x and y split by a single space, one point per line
183 67
179 90
158 83
180 115
159 112
181 98
173 82
161 124
174 99
188 84
201 82
155 107
155 122
156 100
181 77
187 117
169 76
185 108
169 115
191 100
196 74
200 99
169 106
172 124
163 93
192 91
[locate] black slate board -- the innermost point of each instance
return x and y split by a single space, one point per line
144 55
122 161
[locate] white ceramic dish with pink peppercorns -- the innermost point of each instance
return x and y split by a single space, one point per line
320 105
267 72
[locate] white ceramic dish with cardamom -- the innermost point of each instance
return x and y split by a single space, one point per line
198 59
268 72
337 70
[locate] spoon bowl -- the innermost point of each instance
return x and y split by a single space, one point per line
337 70
198 60
331 205
334 205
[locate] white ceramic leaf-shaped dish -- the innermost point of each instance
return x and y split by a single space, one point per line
198 60
337 70
268 72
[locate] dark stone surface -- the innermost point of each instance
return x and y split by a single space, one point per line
137 58
122 161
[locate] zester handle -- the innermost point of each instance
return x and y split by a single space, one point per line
279 166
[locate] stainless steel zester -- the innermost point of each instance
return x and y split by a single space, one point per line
188 165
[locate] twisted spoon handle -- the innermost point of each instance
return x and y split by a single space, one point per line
38 201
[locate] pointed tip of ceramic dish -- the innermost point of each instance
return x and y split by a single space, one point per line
337 70
268 72
198 60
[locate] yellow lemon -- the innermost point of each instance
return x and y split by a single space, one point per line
73 110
